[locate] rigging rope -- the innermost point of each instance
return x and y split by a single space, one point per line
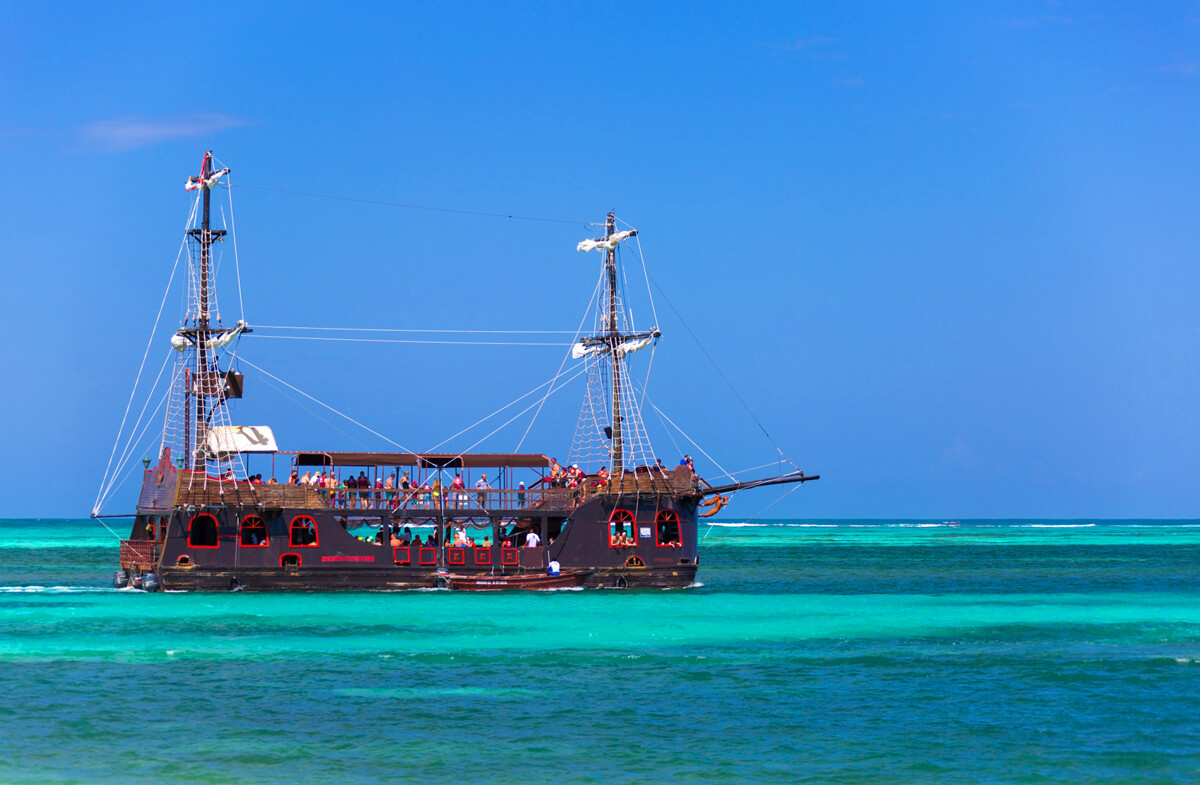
237 268
693 441
127 451
574 376
327 406
408 340
587 309
113 488
797 487
419 206
414 330
149 342
645 273
282 391
721 373
493 414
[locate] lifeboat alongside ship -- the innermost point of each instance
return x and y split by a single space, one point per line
405 520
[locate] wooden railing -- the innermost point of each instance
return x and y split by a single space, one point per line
196 488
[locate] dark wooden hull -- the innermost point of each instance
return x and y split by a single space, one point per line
578 539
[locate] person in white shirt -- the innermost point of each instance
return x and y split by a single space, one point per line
532 540
482 486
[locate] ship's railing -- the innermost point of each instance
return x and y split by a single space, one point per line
449 499
138 554
198 489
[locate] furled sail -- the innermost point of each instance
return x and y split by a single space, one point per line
606 243
193 182
629 347
581 349
182 340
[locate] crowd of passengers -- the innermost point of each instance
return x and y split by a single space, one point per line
395 491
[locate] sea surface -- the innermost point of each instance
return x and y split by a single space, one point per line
812 651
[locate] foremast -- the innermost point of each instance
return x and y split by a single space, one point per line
206 366
200 388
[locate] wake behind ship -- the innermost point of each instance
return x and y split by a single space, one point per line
612 516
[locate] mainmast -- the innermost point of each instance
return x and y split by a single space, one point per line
611 344
614 341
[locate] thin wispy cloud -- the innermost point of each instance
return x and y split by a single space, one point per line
1034 21
799 44
130 133
817 47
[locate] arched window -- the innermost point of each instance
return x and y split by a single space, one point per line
202 531
666 528
304 532
622 533
254 532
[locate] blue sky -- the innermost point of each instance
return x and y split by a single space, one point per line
946 253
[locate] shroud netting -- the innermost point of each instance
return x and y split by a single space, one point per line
180 428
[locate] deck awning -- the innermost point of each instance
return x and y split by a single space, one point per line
501 460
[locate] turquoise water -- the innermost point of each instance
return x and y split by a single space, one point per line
813 651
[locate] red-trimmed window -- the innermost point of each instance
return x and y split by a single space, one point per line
666 529
509 557
202 531
483 556
401 555
622 531
254 532
303 532
456 555
289 560
427 556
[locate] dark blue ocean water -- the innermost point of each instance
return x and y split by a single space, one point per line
814 651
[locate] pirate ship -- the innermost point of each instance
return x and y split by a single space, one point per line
406 520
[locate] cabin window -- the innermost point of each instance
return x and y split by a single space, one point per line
289 560
621 530
254 532
509 557
666 526
483 556
304 532
401 555
456 555
202 531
